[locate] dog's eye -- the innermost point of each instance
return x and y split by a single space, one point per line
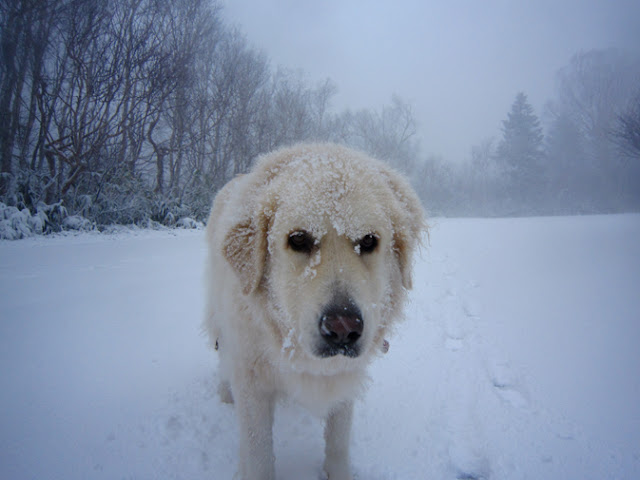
301 241
368 243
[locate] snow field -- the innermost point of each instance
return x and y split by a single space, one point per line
518 359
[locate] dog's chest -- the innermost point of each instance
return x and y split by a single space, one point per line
320 393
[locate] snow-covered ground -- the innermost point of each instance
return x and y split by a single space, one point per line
519 359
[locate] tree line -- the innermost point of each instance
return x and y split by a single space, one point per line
138 111
582 157
128 111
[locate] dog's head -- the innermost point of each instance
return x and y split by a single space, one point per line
329 243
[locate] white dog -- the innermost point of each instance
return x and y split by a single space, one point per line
309 259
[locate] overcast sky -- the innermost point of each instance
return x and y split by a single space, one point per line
460 63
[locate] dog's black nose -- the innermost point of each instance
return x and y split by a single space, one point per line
341 326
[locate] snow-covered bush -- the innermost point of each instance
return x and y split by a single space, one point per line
18 223
14 223
76 222
53 216
173 214
38 222
188 222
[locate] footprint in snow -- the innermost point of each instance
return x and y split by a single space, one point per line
458 324
468 463
506 385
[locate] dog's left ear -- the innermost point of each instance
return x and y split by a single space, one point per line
409 223
245 248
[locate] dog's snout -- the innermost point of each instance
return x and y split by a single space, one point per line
341 326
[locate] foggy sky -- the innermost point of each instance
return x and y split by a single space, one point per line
460 63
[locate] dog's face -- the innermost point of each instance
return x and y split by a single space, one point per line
329 246
330 286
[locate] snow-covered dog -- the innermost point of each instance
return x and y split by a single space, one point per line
309 259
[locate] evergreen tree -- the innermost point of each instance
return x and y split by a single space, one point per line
520 152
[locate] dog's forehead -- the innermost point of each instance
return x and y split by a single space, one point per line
344 221
328 200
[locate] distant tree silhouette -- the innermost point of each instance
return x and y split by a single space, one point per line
627 130
520 152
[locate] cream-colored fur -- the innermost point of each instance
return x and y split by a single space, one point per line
265 300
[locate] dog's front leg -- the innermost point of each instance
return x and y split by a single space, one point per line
254 409
337 433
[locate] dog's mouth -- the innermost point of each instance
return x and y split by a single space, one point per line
327 351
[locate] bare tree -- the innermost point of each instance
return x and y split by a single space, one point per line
627 130
86 113
131 110
387 134
591 92
25 30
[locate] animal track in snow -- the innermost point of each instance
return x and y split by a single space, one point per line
467 452
458 324
506 385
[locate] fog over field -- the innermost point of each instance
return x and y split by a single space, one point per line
460 64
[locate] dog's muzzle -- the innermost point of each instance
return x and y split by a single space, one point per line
341 326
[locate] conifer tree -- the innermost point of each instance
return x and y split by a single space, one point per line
520 152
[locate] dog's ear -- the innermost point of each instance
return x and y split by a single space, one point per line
409 225
245 248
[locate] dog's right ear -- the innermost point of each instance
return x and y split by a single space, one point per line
245 248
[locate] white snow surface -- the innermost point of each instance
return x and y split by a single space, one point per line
519 359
